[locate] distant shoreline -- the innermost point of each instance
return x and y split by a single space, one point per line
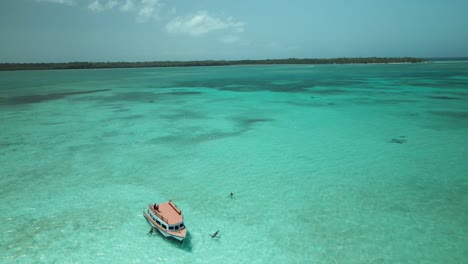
159 64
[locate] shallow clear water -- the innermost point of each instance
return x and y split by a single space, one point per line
328 164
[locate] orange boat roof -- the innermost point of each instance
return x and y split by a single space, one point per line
170 212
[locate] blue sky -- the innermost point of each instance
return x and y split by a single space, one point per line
148 30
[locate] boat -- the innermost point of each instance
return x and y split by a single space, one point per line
167 218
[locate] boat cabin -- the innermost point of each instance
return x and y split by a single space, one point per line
167 219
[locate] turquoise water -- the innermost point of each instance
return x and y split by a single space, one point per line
328 164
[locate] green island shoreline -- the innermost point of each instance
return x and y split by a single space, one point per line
108 65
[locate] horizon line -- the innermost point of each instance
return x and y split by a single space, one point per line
236 60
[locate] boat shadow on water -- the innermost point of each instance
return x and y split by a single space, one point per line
186 245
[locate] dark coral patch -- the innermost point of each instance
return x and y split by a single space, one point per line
182 93
185 114
251 121
38 98
52 123
451 114
9 144
252 85
445 97
121 110
196 135
131 97
328 91
131 117
142 96
398 140
258 87
195 138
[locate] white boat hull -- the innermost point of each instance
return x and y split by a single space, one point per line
165 234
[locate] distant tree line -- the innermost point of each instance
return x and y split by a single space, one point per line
104 65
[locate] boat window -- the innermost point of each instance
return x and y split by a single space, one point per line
182 225
157 221
171 228
176 227
164 226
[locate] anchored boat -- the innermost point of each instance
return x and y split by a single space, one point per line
167 218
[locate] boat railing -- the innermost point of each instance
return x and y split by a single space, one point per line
175 207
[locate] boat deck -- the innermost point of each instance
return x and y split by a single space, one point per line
169 211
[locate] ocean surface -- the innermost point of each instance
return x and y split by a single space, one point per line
327 163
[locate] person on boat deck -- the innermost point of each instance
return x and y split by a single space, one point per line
156 207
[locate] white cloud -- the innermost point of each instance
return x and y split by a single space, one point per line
149 9
111 3
145 13
202 23
96 6
145 10
64 2
127 6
